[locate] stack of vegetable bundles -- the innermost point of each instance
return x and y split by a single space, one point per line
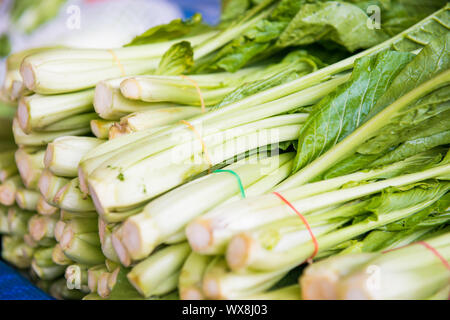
204 162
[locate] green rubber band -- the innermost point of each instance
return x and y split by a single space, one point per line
241 187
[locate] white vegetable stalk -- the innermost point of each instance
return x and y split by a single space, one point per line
69 215
39 111
40 139
220 283
100 128
18 90
44 208
66 70
59 229
27 199
63 155
30 163
149 275
319 280
301 252
122 215
49 184
9 189
186 145
94 274
105 233
409 273
111 105
82 248
155 90
78 121
154 176
248 249
69 197
170 213
142 120
191 276
143 144
210 233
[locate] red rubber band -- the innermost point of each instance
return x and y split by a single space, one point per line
305 222
435 252
426 245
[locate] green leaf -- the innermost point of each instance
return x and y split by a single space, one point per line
357 162
177 60
393 200
175 29
340 113
233 9
425 218
415 146
398 15
256 41
293 66
340 22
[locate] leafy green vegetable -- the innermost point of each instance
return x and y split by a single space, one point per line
303 22
177 60
293 66
339 114
340 22
425 73
175 29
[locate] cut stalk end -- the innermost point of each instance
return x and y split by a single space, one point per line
37 228
192 293
199 235
59 230
23 116
120 249
28 76
7 195
238 251
139 236
102 286
131 89
211 287
103 98
319 286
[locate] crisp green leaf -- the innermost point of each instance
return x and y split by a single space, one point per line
177 60
340 22
256 41
340 113
293 66
175 29
233 9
